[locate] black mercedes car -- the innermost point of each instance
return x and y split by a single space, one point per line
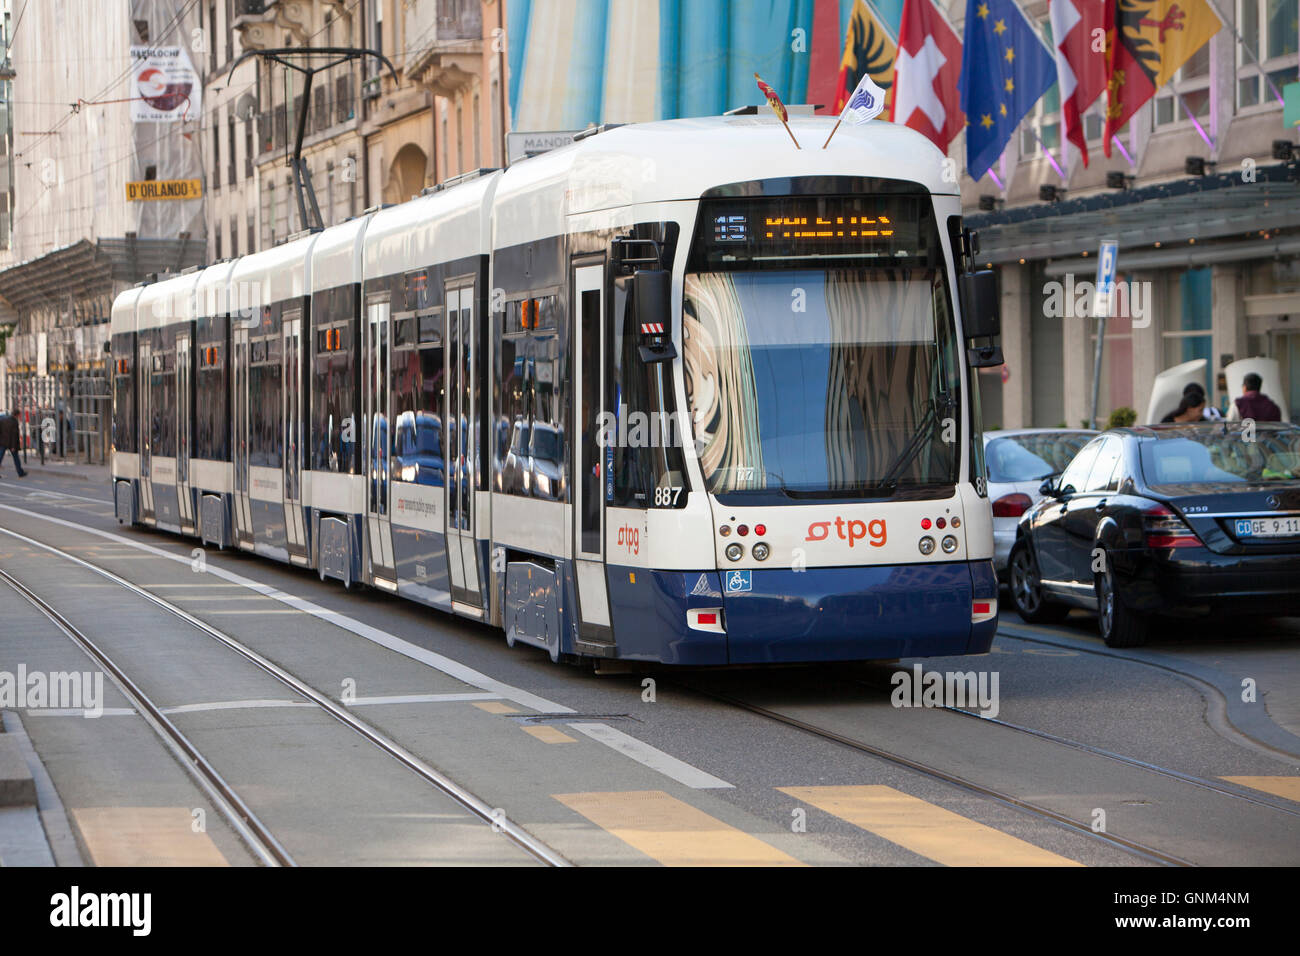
1166 520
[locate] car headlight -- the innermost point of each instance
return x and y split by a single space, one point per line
409 472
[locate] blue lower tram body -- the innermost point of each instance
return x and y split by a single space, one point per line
821 614
786 616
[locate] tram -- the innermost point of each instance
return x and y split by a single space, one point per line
678 392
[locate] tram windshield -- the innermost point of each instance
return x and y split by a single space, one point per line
820 351
821 382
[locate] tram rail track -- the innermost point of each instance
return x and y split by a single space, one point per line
1134 847
251 830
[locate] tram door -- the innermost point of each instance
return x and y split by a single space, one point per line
375 389
461 435
184 415
294 525
239 439
147 429
589 465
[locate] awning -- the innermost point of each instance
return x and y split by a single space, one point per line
87 270
1223 206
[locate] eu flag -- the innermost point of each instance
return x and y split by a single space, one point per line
1005 68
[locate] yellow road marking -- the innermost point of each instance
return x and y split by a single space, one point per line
549 735
496 707
923 828
145 836
1286 787
672 832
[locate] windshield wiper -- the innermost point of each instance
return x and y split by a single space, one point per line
920 438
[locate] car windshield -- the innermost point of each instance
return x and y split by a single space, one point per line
821 381
546 443
1032 456
1216 454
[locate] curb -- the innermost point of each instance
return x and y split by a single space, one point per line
17 786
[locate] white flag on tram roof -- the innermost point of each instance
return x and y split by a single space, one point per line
866 103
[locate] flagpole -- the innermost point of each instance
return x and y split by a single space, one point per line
788 130
1209 140
837 126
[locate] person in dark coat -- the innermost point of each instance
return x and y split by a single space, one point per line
9 441
1254 404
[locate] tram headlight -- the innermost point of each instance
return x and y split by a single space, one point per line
949 544
761 551
735 551
926 545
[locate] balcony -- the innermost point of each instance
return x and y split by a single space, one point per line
449 53
261 22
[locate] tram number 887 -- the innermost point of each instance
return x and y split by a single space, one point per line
666 496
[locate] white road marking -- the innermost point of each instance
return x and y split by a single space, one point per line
233 705
78 712
419 699
37 495
616 740
652 757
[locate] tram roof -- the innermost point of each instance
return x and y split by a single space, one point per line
443 226
122 316
682 159
166 302
273 274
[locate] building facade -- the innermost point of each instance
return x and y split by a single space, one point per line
1205 204
106 188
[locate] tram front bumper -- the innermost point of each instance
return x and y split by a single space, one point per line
861 613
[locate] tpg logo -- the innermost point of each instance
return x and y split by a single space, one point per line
857 530
629 538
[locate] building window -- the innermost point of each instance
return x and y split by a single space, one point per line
212 38
252 236
1192 339
216 149
248 147
446 161
268 216
216 228
351 179
230 30
230 159
1192 83
234 237
478 127
460 137
1268 29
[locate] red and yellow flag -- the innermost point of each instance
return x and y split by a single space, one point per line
1150 41
869 50
773 100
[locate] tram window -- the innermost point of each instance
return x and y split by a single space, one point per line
430 327
404 332
512 410
212 437
419 392
334 427
647 454
124 438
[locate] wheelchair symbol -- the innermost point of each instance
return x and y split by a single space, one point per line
740 581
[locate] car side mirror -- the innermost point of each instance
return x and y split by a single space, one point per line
1048 488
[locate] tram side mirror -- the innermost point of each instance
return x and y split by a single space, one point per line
652 296
981 317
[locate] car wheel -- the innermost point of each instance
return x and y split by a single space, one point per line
1027 591
1120 626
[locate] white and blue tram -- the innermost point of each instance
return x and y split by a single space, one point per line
677 392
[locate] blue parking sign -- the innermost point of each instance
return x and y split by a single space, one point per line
739 581
1104 296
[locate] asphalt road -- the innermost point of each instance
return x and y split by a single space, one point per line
1093 757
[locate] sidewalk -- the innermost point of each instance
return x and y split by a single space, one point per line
54 466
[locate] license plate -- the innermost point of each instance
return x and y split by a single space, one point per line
1267 527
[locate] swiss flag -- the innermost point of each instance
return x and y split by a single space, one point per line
1079 28
926 74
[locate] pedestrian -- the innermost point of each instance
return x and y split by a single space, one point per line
1254 404
1189 410
1195 391
9 441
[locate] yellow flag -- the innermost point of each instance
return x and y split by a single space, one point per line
1164 34
869 49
